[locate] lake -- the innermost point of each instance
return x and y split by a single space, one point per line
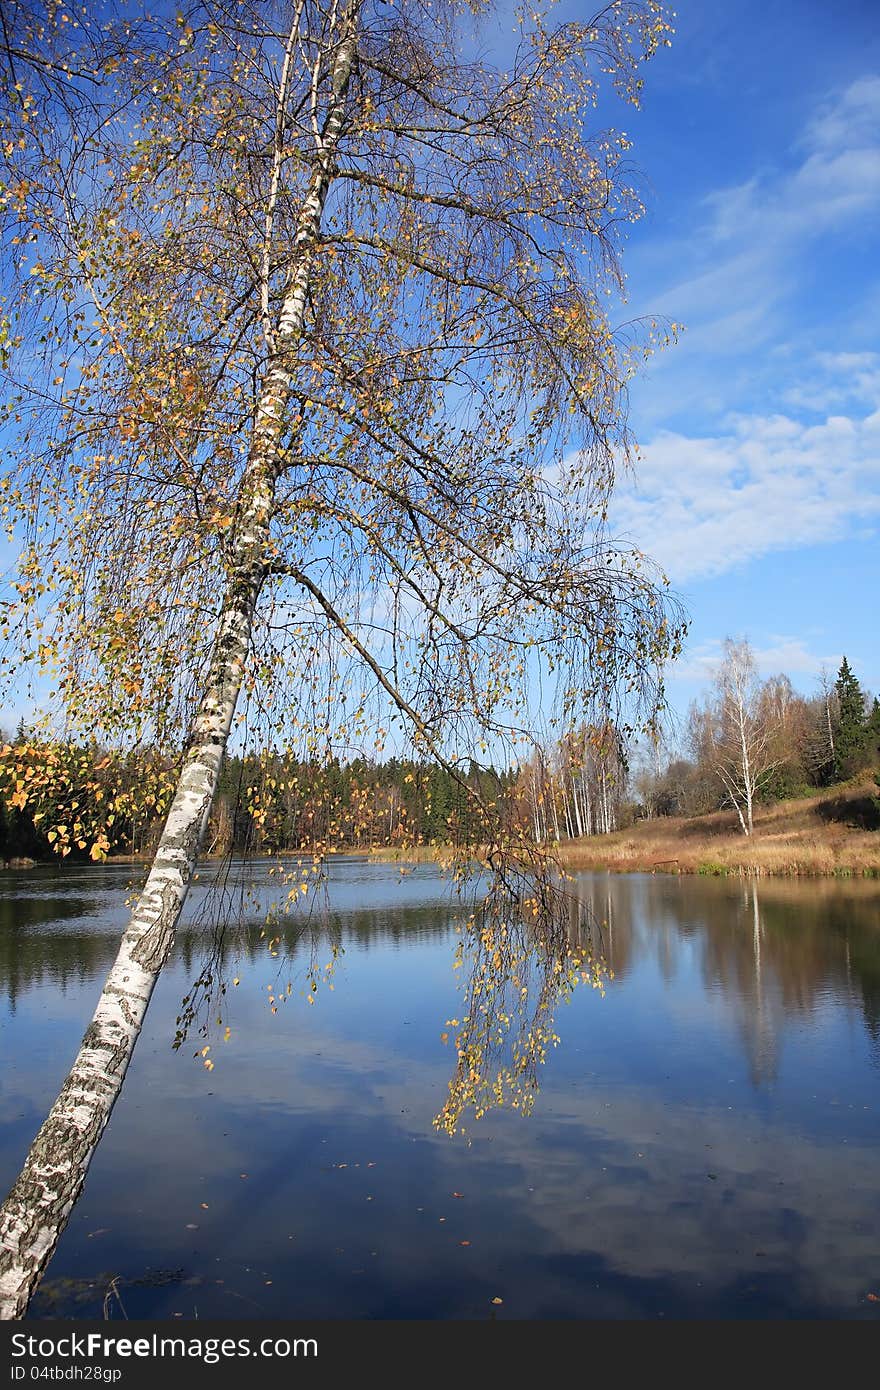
702 1141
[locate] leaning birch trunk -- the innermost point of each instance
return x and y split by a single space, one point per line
37 1209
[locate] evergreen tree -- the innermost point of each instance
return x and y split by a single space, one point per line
872 730
850 738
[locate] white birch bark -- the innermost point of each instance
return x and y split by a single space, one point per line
36 1211
554 808
828 724
535 808
566 806
748 786
577 805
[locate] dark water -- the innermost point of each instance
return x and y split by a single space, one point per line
703 1141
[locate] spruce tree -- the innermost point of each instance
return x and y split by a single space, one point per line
850 738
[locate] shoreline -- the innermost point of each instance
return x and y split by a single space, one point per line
832 834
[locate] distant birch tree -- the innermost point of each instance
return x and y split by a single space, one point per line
734 730
302 302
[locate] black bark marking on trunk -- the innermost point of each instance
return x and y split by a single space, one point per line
154 947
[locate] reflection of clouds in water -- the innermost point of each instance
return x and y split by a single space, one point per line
603 1178
600 1204
810 1207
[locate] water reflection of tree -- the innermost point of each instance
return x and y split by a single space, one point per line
72 959
522 948
520 958
774 949
813 940
31 958
758 1016
300 944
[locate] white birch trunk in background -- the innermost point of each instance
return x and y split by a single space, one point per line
535 809
36 1211
829 727
566 806
748 786
740 734
579 820
554 808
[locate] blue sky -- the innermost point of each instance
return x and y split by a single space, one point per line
759 149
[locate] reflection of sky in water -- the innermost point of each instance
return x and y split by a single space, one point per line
704 1143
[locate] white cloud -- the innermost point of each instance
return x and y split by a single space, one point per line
854 118
835 379
779 654
704 505
838 175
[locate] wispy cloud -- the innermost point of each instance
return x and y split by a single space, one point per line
833 380
852 118
751 229
767 264
836 177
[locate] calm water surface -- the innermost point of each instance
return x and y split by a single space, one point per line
704 1139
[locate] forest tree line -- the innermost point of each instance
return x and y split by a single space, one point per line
746 742
90 802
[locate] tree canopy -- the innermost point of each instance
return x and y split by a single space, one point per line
392 295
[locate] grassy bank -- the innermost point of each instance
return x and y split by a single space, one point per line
823 834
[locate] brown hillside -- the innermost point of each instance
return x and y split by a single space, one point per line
837 831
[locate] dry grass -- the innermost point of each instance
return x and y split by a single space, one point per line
821 834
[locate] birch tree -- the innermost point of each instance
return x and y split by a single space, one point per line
304 301
734 733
